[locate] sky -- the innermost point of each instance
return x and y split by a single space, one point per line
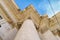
41 6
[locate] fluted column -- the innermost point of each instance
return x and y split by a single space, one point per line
10 13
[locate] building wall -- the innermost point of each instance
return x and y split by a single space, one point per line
11 14
11 9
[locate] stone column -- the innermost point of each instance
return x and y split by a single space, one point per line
8 10
11 34
48 35
27 32
58 37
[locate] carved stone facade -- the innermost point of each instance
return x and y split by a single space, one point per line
15 17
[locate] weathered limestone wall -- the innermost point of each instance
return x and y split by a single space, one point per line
3 3
11 9
11 34
31 13
48 35
3 13
44 24
5 27
11 13
56 21
57 37
55 24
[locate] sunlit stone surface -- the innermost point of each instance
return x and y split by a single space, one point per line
58 37
49 36
6 31
14 16
11 34
5 28
27 32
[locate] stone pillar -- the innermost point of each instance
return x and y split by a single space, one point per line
48 35
27 32
5 27
58 37
8 10
11 34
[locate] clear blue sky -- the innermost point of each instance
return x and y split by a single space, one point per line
42 6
